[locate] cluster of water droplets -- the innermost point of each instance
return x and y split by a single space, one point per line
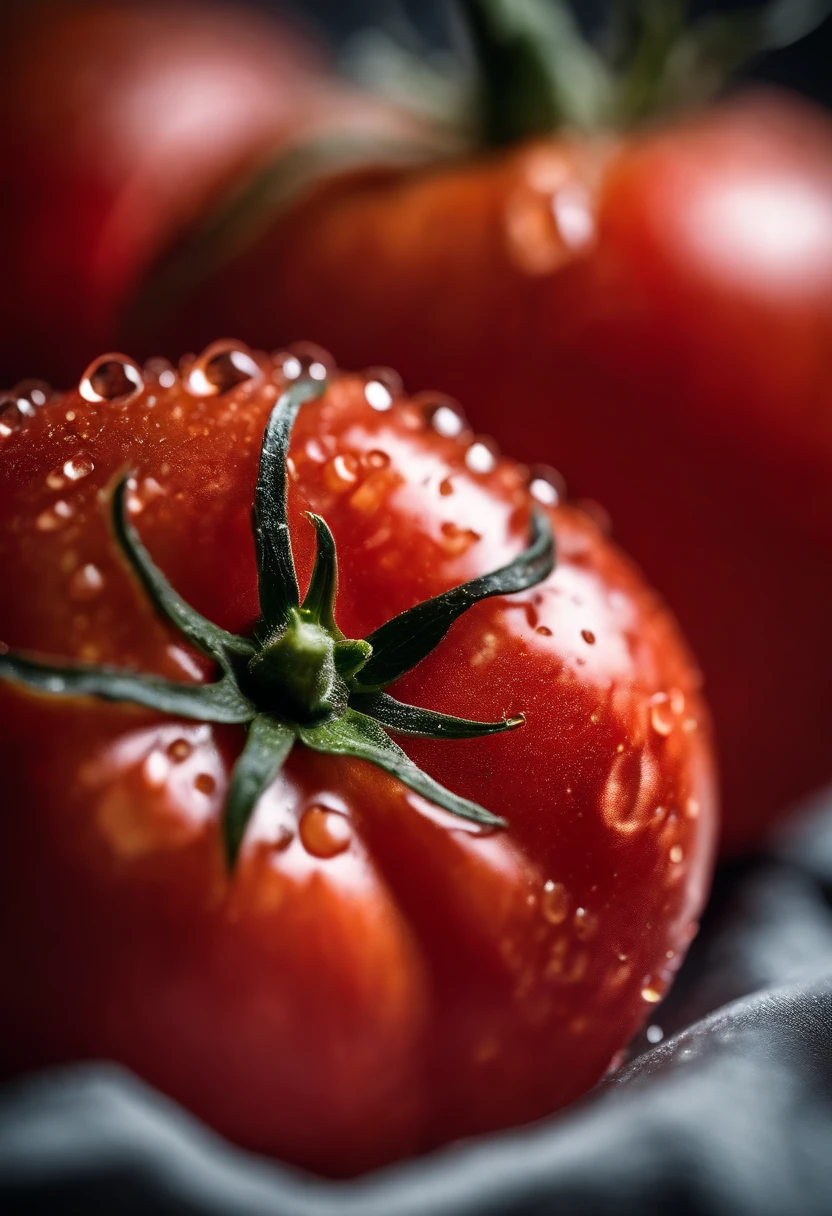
24 400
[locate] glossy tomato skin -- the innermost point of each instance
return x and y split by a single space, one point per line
651 315
122 125
376 977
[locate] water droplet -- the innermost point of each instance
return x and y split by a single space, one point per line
585 923
692 808
79 466
54 517
544 631
376 459
377 395
32 394
654 1034
179 750
86 582
205 783
555 902
113 378
546 485
10 416
677 854
156 769
304 359
572 210
161 371
341 472
481 456
443 413
549 217
383 387
324 832
221 367
651 992
456 540
588 636
628 798
677 701
662 718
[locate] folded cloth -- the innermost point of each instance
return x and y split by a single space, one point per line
729 1114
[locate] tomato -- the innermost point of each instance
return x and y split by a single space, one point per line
122 124
373 976
652 314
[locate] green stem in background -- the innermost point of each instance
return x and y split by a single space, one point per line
536 73
297 678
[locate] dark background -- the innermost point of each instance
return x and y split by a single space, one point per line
805 66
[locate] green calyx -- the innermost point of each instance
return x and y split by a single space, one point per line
536 71
297 678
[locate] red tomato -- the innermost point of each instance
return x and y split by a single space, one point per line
122 124
375 976
653 316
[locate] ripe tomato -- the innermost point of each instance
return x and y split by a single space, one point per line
374 976
652 314
122 124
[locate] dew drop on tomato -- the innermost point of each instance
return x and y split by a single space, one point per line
221 367
481 456
111 378
443 413
555 902
662 718
10 417
32 394
324 832
179 750
54 517
377 459
585 924
86 583
383 386
653 990
546 485
78 467
303 359
161 372
341 472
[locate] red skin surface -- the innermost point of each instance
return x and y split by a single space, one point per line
339 1009
122 123
667 347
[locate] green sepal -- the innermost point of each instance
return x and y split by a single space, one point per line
268 743
319 600
218 702
536 73
276 577
404 641
362 738
426 723
215 643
